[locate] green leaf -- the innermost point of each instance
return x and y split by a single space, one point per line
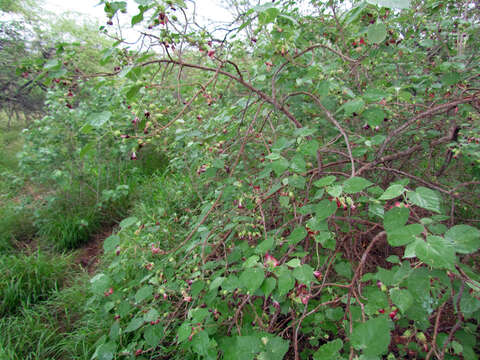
395 218
99 119
137 18
450 78
297 182
335 190
304 274
355 185
372 336
374 116
217 282
240 347
111 243
404 235
106 351
251 261
153 335
276 348
100 283
198 315
143 293
401 298
197 287
465 238
265 246
252 278
393 4
268 286
297 235
184 332
425 198
469 304
374 94
376 33
152 315
285 280
51 64
279 166
134 324
309 148
293 263
353 106
89 148
329 350
326 239
436 252
392 192
298 164
327 180
133 91
325 209
126 223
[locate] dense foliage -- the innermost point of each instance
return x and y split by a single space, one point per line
321 193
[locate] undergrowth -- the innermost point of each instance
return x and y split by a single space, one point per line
27 279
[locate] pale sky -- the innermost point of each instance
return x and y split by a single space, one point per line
208 12
208 9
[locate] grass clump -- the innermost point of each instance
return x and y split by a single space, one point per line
53 329
28 279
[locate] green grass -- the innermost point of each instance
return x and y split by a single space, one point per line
16 225
68 231
28 279
53 329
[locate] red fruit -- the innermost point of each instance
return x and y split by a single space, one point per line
138 352
381 311
305 299
109 292
69 106
393 314
362 42
270 261
109 22
339 203
211 53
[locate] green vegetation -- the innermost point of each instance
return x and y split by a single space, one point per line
27 279
299 184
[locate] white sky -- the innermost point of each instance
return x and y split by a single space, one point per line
209 12
208 9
